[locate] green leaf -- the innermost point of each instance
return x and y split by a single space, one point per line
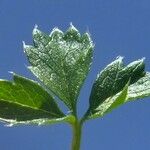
118 99
61 61
140 89
110 104
26 100
112 80
39 122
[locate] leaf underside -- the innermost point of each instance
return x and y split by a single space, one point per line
25 100
61 61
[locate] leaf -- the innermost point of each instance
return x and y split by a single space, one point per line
112 80
26 100
61 61
118 99
140 89
110 104
39 122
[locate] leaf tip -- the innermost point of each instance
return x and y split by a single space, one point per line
72 33
11 72
35 29
56 32
35 26
9 125
119 58
72 27
143 59
24 45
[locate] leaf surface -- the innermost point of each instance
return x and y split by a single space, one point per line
138 90
61 61
110 104
24 100
112 80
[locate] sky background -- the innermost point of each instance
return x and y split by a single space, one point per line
117 28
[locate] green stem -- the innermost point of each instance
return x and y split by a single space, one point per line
77 131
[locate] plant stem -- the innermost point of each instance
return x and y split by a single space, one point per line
77 131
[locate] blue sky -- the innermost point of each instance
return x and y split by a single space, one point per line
117 28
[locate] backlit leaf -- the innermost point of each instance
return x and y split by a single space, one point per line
61 61
25 100
112 80
140 89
